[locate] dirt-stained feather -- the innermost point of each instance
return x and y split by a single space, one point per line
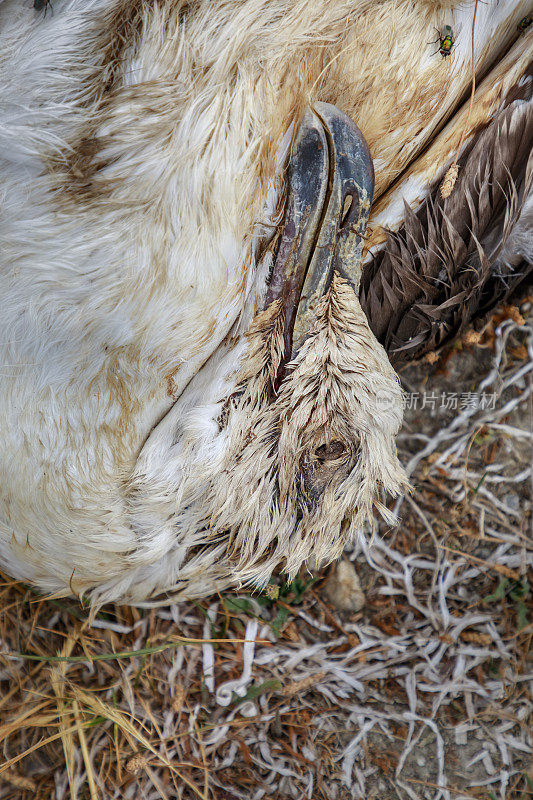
455 259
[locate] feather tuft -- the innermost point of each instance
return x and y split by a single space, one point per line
446 187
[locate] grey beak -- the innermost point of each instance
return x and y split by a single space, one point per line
331 185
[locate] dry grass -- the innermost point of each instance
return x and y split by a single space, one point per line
424 694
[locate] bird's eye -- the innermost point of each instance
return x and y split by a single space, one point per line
329 452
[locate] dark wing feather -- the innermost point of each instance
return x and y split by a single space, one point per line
455 259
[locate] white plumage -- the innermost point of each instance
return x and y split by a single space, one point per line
143 148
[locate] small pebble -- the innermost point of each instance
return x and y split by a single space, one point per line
512 501
343 589
136 764
461 736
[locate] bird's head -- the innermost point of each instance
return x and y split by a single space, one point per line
286 435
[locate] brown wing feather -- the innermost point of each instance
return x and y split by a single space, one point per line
449 262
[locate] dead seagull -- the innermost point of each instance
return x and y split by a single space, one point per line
195 384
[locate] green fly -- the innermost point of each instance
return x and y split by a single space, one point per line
446 41
40 4
524 24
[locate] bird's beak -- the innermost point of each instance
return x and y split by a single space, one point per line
331 184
